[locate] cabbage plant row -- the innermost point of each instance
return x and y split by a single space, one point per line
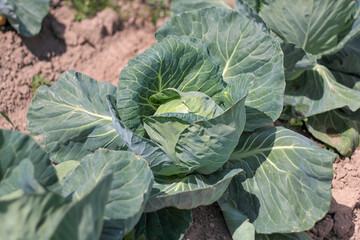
186 126
320 40
324 50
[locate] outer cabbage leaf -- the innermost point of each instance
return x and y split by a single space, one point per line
181 63
24 15
20 179
338 128
352 32
254 4
64 167
179 6
317 91
348 80
50 216
346 61
308 23
27 216
296 61
129 190
250 9
245 231
241 228
345 64
238 45
189 192
165 224
238 223
15 147
287 187
84 220
72 117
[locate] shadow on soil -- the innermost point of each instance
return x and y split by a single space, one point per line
46 45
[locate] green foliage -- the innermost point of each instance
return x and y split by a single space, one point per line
88 8
38 81
104 185
321 63
191 109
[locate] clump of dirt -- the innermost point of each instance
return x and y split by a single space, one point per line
343 220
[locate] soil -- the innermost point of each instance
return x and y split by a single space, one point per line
343 220
100 47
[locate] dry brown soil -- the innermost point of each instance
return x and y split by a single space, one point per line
101 47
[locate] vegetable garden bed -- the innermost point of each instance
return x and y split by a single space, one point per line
102 53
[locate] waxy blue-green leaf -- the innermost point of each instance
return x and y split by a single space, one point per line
179 6
177 62
238 45
130 188
15 147
84 220
24 15
241 228
346 61
64 167
352 32
313 25
245 231
254 4
49 216
190 191
237 223
296 61
348 80
287 187
164 224
22 179
24 217
72 117
250 8
345 64
338 128
317 91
